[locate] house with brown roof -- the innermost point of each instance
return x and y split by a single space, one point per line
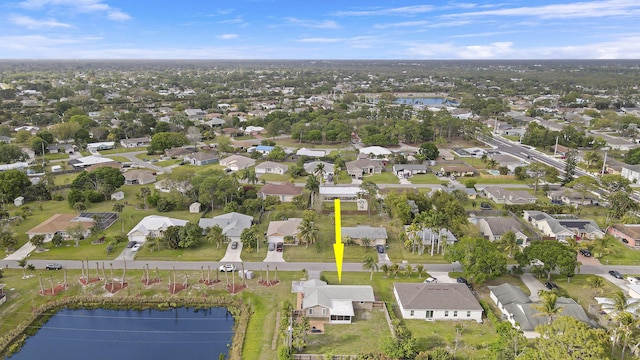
279 230
59 223
627 233
437 302
139 177
285 191
237 162
361 167
180 152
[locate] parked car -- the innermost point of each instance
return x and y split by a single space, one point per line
485 206
615 274
279 246
585 252
380 249
234 245
136 247
272 246
227 268
462 280
131 244
430 280
53 266
549 285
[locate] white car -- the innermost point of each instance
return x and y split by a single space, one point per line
430 280
136 247
227 268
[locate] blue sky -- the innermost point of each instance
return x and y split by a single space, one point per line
371 29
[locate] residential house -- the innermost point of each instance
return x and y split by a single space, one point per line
494 227
310 167
472 194
153 226
195 114
458 170
283 231
375 151
59 223
377 235
237 162
511 197
60 149
232 224
337 303
270 167
285 191
630 172
135 142
572 197
559 150
627 233
446 155
509 161
340 192
139 177
215 122
437 302
427 235
87 161
311 153
521 312
201 158
408 170
361 167
563 227
104 145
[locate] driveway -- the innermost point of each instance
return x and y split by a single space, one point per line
533 284
21 253
232 255
443 277
126 254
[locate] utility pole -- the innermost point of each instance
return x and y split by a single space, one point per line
604 164
555 150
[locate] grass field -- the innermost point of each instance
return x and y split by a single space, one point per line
383 178
122 150
426 179
274 177
60 156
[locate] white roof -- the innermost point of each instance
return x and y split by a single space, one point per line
310 152
91 160
16 165
340 190
155 223
101 144
250 129
375 150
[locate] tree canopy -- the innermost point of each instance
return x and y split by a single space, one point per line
554 255
166 140
480 259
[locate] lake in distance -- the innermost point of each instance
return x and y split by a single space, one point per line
175 334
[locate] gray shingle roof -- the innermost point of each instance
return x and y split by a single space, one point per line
364 231
420 296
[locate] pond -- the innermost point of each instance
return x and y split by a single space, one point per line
182 333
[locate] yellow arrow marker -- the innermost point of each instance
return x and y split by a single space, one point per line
338 247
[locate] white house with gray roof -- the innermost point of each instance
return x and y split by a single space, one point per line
563 227
377 235
437 302
521 312
427 235
494 227
232 224
338 303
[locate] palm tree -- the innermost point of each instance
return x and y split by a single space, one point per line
385 269
307 232
596 283
421 271
394 269
119 207
508 242
23 263
370 190
591 158
249 175
548 306
408 270
144 193
313 186
628 325
319 170
370 263
619 302
215 234
603 245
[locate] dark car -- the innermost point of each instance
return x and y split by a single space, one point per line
279 246
53 266
585 252
615 274
380 249
272 246
234 245
549 285
462 280
131 244
485 206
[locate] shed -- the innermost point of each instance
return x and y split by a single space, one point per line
117 195
18 201
195 208
56 168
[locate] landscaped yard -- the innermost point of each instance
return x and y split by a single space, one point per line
121 150
578 289
59 156
274 177
426 179
621 254
382 178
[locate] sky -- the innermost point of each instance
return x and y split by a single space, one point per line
329 29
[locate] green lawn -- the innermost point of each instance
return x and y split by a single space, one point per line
120 159
122 150
59 156
621 254
578 290
274 177
383 178
165 163
427 179
492 180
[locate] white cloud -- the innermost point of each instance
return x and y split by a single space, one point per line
32 23
227 36
316 24
401 24
319 40
483 34
81 6
405 10
586 9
